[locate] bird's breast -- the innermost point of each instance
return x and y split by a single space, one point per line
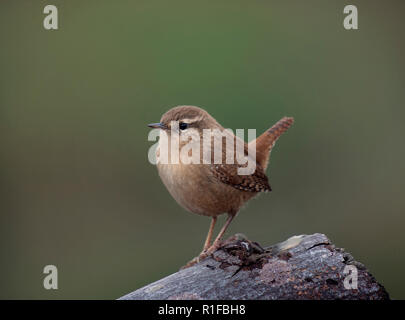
195 188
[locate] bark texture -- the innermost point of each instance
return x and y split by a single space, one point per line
302 267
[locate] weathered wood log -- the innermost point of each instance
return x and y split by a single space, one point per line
302 267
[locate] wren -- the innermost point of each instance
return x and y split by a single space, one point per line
212 188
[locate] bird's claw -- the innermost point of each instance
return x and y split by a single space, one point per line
204 254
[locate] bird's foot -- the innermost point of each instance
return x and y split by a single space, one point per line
204 254
214 247
191 263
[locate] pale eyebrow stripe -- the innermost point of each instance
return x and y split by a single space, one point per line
191 120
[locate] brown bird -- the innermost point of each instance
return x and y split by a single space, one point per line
217 187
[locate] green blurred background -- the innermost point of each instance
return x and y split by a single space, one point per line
77 190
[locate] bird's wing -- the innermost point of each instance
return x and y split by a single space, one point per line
228 174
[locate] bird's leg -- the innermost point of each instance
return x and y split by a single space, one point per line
217 242
206 245
209 235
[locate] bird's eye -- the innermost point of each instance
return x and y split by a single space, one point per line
183 126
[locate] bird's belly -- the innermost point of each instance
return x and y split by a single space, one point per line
196 190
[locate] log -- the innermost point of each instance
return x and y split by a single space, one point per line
302 267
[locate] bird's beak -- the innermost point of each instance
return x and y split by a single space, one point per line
157 125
